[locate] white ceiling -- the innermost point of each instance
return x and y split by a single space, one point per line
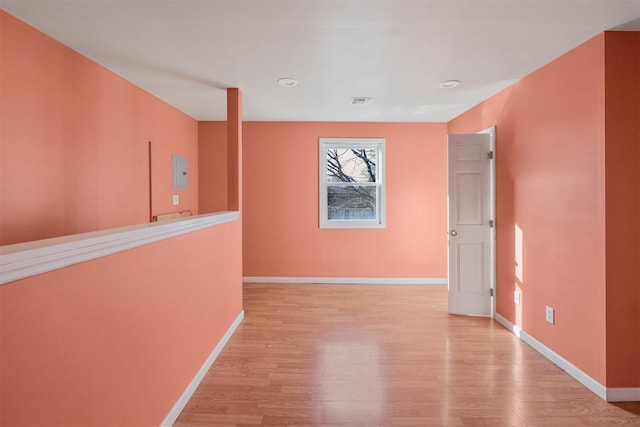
187 52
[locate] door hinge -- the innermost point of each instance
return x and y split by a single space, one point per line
491 292
490 155
492 223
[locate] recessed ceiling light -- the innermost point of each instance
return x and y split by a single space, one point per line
448 84
286 81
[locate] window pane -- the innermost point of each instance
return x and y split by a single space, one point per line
351 202
351 164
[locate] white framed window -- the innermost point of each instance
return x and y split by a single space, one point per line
352 183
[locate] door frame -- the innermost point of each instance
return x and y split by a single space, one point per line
492 213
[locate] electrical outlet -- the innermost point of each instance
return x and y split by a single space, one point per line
550 315
176 200
516 297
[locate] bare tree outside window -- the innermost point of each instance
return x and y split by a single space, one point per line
351 165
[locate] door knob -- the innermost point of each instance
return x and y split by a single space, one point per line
454 233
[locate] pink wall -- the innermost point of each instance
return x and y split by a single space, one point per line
234 149
220 159
115 341
74 142
281 233
550 190
567 176
622 130
212 166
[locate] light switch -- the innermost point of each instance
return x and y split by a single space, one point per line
176 200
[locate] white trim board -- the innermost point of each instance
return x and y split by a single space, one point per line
609 394
631 394
23 260
174 413
492 210
350 280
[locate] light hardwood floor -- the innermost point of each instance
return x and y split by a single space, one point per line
381 355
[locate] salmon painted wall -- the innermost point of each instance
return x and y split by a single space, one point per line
212 166
234 149
281 233
74 142
115 341
550 171
622 131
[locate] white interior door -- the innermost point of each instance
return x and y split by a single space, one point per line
471 223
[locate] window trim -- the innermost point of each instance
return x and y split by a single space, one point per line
326 144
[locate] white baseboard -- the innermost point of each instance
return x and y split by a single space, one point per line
623 394
560 361
351 280
609 394
193 385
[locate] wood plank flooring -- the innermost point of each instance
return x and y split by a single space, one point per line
381 355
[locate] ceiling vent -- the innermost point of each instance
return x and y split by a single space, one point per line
361 100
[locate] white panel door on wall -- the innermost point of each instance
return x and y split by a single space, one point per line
471 223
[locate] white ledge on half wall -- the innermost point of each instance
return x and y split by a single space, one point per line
30 258
350 280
